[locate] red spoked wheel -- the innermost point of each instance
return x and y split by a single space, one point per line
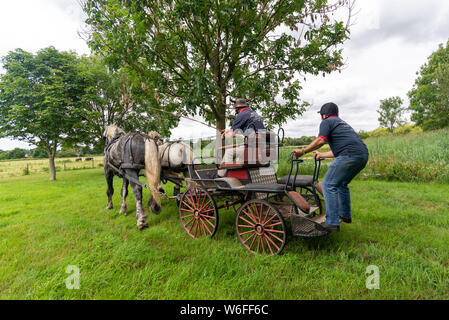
198 213
261 227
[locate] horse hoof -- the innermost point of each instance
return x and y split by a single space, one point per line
109 207
124 211
145 226
142 225
156 209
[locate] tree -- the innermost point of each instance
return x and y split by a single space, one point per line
40 99
429 98
189 56
17 153
390 113
110 98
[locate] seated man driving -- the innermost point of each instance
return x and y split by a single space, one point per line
245 122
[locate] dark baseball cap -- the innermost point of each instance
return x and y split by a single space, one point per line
329 109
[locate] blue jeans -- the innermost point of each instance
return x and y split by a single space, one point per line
335 186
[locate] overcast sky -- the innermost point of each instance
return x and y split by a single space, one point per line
389 43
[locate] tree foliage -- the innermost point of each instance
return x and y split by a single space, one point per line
110 98
390 113
40 99
429 98
190 56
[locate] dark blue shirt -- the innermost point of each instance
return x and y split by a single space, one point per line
342 139
247 119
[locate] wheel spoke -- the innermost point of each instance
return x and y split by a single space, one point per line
274 236
252 241
274 224
266 214
205 228
246 232
269 240
190 215
245 226
274 216
208 221
263 247
202 206
252 224
272 230
251 216
247 239
196 228
190 221
185 203
191 227
208 210
191 199
197 197
206 216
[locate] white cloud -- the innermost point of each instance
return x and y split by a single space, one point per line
36 24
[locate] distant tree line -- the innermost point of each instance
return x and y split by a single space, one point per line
298 141
39 153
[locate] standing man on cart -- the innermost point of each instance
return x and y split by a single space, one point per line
351 156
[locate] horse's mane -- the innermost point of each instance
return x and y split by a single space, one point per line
112 130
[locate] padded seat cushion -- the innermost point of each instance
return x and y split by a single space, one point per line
233 183
301 181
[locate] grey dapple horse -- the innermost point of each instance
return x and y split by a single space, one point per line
130 153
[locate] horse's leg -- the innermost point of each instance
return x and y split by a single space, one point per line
110 191
124 193
137 190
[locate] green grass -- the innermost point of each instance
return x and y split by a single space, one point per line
403 228
422 157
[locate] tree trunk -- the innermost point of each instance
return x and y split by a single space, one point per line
221 117
51 160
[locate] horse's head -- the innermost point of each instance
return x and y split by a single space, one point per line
111 131
155 136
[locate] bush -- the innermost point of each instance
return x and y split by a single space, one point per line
380 132
363 134
407 129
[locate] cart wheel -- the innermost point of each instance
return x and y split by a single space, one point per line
261 228
198 213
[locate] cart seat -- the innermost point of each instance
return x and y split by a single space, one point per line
301 181
226 183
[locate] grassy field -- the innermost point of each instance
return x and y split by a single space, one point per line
423 157
403 228
21 167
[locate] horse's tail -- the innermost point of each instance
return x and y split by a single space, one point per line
153 174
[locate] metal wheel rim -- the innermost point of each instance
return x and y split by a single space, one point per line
198 213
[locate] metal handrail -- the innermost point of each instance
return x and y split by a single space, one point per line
293 160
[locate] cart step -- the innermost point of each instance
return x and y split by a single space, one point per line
319 219
308 227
